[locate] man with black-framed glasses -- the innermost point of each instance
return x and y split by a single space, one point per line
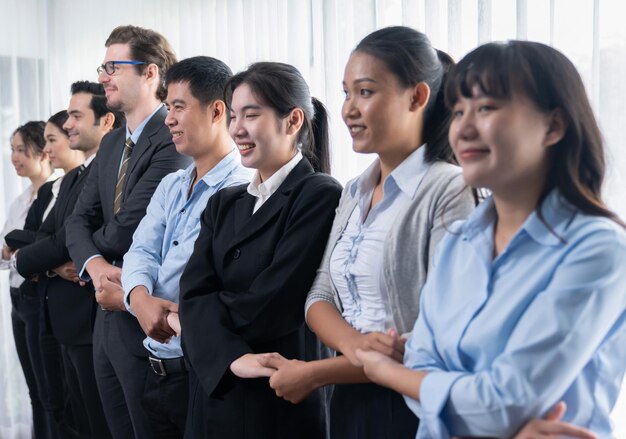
131 163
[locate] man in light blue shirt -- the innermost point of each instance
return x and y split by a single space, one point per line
165 237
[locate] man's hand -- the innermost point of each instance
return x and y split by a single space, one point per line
110 295
67 271
98 268
247 366
152 312
292 379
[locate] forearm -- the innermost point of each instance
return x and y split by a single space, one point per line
329 326
401 379
337 370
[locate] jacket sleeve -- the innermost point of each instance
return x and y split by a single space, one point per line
271 307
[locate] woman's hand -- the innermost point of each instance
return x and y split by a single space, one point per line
390 345
247 366
552 427
376 365
292 379
173 320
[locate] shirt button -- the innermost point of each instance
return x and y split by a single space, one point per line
175 242
182 210
236 253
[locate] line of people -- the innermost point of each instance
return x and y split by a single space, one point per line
196 271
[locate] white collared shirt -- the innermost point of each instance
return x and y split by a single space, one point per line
263 190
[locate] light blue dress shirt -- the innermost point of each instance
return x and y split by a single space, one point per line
505 339
357 259
164 239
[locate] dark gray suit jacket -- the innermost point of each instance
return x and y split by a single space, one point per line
93 229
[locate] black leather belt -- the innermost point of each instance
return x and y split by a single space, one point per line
168 366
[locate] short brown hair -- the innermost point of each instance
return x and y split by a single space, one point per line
148 46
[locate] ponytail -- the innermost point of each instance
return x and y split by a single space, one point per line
438 116
317 148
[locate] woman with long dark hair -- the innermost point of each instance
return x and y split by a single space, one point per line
244 287
388 223
525 305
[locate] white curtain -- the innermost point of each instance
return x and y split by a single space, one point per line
317 37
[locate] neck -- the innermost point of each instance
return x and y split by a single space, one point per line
88 153
390 161
40 178
513 207
216 153
140 112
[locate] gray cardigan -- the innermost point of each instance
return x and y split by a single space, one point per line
440 199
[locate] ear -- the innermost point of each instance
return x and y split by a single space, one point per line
151 71
107 121
419 96
295 120
218 111
557 126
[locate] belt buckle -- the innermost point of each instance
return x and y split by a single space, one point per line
157 366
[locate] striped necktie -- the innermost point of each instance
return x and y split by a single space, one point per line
81 169
119 186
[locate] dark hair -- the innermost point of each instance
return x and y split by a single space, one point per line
206 76
148 46
98 102
550 80
58 119
409 55
282 87
32 136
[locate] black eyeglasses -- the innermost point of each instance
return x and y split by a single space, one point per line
110 66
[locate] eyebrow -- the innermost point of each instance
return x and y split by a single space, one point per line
360 80
250 107
74 112
178 101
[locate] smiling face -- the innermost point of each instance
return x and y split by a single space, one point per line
377 110
191 123
58 148
501 144
265 142
84 133
122 88
25 162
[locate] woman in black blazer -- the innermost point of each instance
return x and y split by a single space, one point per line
244 287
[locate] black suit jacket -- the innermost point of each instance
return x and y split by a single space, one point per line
93 229
244 287
71 307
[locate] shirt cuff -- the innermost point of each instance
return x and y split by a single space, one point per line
84 275
130 284
434 395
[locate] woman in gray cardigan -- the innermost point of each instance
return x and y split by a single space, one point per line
387 225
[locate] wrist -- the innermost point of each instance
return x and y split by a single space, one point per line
137 295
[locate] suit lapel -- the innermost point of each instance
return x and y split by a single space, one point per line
246 224
144 142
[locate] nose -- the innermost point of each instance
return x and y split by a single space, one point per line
236 129
67 126
103 77
170 121
349 109
464 126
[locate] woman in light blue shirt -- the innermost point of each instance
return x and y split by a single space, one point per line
525 304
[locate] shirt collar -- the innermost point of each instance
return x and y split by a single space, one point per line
89 160
556 211
135 134
218 173
258 189
407 176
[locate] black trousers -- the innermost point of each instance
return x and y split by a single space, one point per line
121 378
83 390
25 319
166 399
369 411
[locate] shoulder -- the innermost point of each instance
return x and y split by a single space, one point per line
112 138
597 231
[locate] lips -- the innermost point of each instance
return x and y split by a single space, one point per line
355 130
176 134
245 148
472 153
